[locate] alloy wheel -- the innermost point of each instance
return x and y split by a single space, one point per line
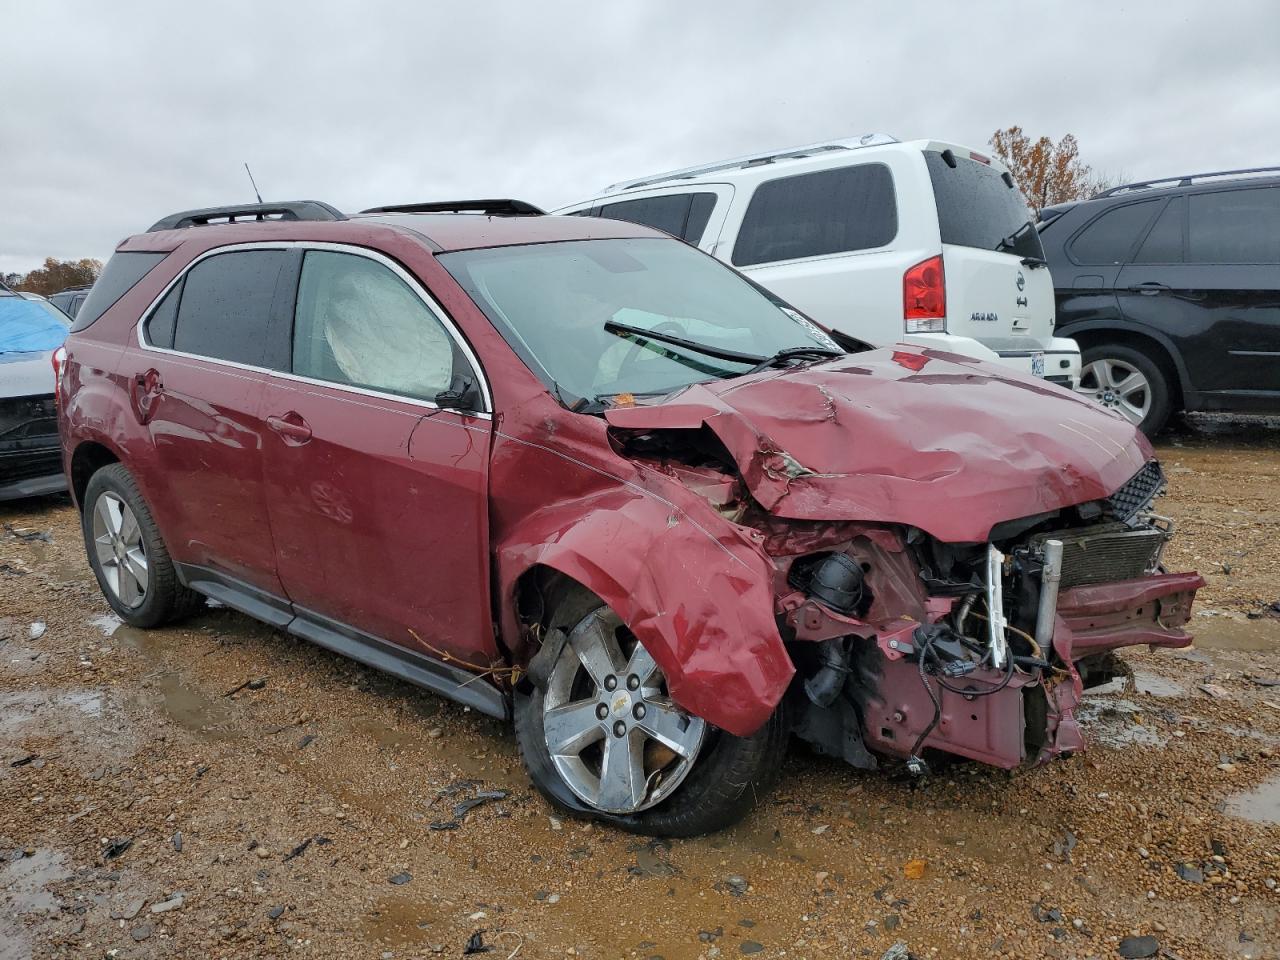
1118 386
117 539
614 735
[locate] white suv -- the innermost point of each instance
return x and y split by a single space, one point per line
923 242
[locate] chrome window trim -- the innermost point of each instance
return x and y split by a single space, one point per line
429 301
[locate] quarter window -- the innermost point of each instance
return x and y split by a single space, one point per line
814 214
164 319
226 304
1164 242
682 215
358 323
1111 237
1235 226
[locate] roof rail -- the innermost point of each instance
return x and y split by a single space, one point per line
1183 181
755 159
490 208
283 210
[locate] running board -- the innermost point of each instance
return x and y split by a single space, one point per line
469 689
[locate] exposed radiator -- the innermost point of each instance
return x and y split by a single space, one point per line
1104 553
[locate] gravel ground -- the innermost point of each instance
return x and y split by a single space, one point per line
155 803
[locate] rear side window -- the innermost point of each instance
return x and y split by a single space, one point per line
683 215
814 214
119 276
225 306
1110 238
1164 242
978 207
1235 226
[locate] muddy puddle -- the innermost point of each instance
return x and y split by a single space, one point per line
1259 805
1237 634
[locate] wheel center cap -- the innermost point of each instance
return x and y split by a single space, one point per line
621 704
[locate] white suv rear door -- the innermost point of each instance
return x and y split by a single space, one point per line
998 288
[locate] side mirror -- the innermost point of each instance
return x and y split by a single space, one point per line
461 395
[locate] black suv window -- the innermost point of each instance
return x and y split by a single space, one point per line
119 276
1164 242
1110 237
1235 226
683 215
813 214
226 305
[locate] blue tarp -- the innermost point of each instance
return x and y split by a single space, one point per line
28 326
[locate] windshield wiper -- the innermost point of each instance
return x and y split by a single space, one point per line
706 349
796 353
1011 241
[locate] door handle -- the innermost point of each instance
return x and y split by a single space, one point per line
1149 289
291 427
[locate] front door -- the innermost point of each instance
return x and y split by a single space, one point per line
378 495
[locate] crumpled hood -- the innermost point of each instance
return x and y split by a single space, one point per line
909 435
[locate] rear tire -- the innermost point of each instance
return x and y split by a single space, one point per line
1124 379
728 775
128 555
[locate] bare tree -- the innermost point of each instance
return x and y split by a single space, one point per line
1046 172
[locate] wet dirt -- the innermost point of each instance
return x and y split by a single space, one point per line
299 801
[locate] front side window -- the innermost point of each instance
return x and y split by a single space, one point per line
570 309
815 214
358 323
1110 238
226 304
1235 226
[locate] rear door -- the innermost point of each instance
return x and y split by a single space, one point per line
999 291
196 383
1208 274
377 495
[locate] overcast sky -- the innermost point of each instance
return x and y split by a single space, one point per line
115 114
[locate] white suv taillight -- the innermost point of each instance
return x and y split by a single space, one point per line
59 360
924 298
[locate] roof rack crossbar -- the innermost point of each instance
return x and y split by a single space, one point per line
1183 181
754 160
492 208
282 210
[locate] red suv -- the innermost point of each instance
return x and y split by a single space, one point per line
575 473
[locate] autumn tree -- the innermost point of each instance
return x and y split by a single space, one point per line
1047 172
57 275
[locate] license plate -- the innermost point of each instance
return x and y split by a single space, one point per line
1037 364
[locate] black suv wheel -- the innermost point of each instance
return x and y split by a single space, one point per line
1129 382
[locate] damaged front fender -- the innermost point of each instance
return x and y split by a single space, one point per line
694 592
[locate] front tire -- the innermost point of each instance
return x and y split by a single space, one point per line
600 737
128 555
1128 381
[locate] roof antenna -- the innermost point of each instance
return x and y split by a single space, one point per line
254 182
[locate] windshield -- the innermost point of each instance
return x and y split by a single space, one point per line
571 309
978 208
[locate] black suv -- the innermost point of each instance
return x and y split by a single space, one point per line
1172 289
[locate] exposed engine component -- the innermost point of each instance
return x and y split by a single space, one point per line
835 579
1104 552
996 622
1050 580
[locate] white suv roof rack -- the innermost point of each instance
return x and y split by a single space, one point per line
755 159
